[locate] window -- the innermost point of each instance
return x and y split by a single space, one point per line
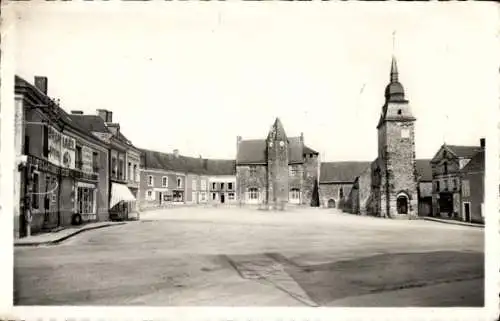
293 170
45 140
78 157
85 200
253 193
179 182
129 171
203 184
445 184
150 180
455 185
193 184
121 169
35 190
221 186
253 170
46 199
230 196
164 181
95 162
178 196
445 166
136 179
214 185
230 186
437 186
341 193
203 196
167 197
294 194
113 167
399 111
149 195
214 196
465 188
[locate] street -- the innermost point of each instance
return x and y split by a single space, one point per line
243 257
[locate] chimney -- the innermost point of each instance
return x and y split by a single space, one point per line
41 84
103 114
77 112
114 128
483 143
302 138
176 153
238 141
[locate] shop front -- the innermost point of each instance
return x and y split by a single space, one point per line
86 200
121 197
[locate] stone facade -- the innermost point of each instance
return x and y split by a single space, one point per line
277 171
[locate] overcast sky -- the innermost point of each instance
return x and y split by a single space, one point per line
193 76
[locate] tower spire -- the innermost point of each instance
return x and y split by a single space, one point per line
394 65
394 70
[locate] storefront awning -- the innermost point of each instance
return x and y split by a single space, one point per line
120 192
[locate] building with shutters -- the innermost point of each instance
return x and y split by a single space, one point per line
61 178
171 179
124 162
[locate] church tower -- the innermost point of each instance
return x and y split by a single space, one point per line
277 166
396 153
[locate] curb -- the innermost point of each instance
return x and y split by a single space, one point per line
63 238
454 222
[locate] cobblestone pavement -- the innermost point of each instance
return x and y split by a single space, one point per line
240 257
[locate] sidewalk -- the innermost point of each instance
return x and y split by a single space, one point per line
449 221
52 238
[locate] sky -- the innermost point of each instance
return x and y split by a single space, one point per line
194 76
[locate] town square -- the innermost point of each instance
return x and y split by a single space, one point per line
217 157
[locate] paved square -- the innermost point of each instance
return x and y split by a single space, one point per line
240 257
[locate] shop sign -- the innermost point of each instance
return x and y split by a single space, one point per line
87 159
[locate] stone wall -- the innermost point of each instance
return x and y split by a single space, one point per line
311 170
364 192
245 181
401 172
278 174
330 191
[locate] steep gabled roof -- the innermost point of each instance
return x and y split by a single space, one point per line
185 164
63 116
476 164
464 151
255 151
424 169
340 172
91 123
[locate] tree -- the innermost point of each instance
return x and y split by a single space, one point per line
315 194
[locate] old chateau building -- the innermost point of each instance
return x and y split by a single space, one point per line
276 171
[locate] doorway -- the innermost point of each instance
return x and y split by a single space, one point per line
467 211
160 197
402 204
331 203
222 198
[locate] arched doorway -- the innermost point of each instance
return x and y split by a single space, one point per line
331 203
402 203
